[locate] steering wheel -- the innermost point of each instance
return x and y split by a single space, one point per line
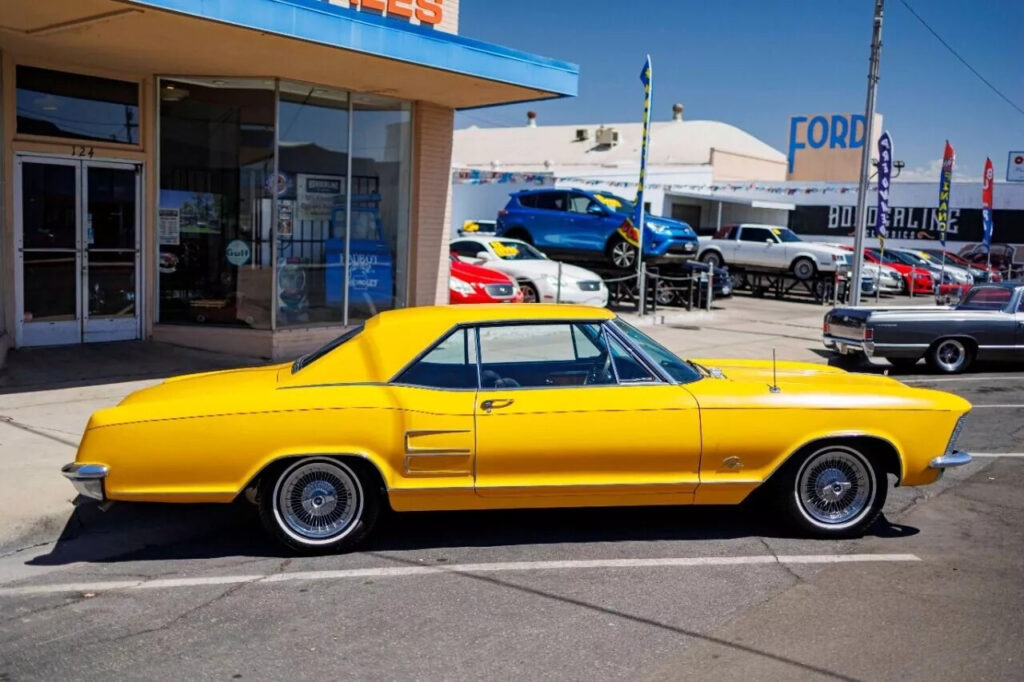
601 371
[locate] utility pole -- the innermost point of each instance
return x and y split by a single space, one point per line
865 160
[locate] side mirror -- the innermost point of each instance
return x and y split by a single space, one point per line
483 255
769 242
594 209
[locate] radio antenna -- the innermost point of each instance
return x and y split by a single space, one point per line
774 388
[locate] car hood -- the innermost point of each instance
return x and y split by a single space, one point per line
677 227
747 383
478 274
538 268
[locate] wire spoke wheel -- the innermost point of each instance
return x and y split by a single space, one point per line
835 487
318 501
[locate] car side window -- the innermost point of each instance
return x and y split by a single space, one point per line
550 201
579 203
467 248
544 356
528 200
450 364
756 234
628 368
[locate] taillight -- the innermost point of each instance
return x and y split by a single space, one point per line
824 326
869 334
502 213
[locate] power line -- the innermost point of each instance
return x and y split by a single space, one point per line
962 60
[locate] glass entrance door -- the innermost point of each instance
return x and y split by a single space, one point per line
77 242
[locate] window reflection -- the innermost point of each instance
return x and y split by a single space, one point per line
59 104
216 183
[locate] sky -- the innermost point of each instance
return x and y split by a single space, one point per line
755 63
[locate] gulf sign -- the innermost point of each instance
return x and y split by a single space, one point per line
828 147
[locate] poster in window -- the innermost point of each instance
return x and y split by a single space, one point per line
285 213
318 194
169 227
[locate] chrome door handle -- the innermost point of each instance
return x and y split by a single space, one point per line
489 405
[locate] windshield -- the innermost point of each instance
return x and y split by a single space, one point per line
507 249
310 358
616 203
680 370
785 235
986 298
913 259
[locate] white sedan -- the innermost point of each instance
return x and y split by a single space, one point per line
541 280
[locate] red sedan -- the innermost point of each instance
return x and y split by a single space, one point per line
474 284
918 278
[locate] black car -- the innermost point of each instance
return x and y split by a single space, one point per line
988 324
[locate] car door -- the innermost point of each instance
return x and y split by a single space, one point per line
757 246
550 223
566 411
433 405
590 223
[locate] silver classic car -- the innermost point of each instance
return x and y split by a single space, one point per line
988 324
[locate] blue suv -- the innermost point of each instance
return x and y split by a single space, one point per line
576 224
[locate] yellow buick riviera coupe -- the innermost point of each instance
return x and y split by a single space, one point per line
488 407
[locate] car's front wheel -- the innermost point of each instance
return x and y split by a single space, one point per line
834 491
318 505
622 254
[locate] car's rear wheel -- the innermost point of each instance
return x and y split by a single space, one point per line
622 254
318 505
950 356
804 268
834 491
530 294
712 258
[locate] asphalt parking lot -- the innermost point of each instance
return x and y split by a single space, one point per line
934 591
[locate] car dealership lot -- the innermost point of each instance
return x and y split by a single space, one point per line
652 593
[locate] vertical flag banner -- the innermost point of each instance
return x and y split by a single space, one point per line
631 230
945 183
986 204
884 180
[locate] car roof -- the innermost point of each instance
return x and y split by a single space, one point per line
483 239
451 315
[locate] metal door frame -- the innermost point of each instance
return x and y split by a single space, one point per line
72 331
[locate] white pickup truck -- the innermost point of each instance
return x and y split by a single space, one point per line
769 247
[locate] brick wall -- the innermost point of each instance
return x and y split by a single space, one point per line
431 203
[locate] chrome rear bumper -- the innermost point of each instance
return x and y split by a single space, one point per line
957 458
87 479
846 346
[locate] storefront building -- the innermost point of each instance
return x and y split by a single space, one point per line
248 177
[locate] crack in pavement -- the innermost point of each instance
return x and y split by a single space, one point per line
10 421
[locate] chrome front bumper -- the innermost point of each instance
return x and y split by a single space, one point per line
87 479
957 458
848 346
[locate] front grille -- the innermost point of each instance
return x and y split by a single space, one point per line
682 249
590 285
500 290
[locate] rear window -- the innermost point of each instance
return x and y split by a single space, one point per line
551 201
527 200
986 298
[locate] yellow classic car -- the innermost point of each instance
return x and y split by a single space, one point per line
487 407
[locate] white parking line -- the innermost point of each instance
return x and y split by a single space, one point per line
942 380
1001 406
997 454
403 571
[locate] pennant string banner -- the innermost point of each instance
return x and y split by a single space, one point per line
481 177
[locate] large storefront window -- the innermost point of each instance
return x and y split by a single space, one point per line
73 105
215 207
379 242
293 275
